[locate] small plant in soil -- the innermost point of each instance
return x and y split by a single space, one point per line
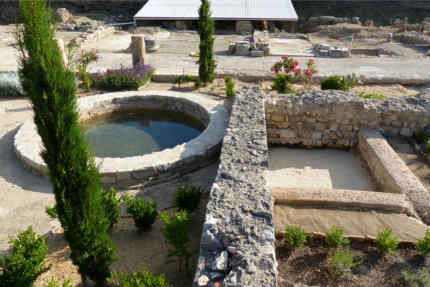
144 214
334 238
144 278
56 283
22 266
188 198
372 96
419 279
341 261
428 146
423 245
295 236
197 84
385 243
229 87
175 232
179 81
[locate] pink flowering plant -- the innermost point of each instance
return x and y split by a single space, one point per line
287 72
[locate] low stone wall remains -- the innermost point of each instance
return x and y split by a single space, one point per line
333 118
391 173
237 243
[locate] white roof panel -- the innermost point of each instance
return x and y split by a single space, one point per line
281 10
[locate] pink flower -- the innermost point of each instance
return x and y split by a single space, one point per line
276 71
296 71
311 60
294 66
279 63
284 57
271 69
296 63
308 72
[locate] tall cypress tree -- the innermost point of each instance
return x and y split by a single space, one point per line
206 31
75 178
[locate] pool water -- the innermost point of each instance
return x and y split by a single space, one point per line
134 133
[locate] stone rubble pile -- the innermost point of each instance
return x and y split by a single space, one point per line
258 46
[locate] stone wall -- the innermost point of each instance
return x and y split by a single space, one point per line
333 118
237 243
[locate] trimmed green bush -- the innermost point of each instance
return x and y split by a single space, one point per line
334 83
179 81
422 136
144 214
334 238
189 78
385 243
197 84
51 211
295 236
423 245
175 232
206 27
428 146
72 170
188 198
143 278
112 205
22 266
229 87
341 261
283 84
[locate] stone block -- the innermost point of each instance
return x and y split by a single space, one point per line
338 52
277 117
257 53
304 134
232 48
242 49
287 133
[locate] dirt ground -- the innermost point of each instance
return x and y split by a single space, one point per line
310 266
137 250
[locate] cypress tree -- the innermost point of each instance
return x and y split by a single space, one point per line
75 178
206 29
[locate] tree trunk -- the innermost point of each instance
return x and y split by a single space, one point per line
138 49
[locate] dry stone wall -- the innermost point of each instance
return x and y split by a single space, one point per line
237 243
333 118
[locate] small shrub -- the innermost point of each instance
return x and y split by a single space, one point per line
295 236
334 238
334 83
56 283
51 211
22 266
175 232
112 205
341 261
179 81
423 245
198 83
188 198
144 214
428 146
229 87
372 96
384 243
422 135
123 78
188 78
283 84
84 60
419 279
144 278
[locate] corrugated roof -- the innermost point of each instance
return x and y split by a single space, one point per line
280 10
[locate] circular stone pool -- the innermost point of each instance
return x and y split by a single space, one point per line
140 136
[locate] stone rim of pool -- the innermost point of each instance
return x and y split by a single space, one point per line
156 166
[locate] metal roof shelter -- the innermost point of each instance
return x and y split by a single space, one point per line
271 10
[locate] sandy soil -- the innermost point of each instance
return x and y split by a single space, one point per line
325 168
353 222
